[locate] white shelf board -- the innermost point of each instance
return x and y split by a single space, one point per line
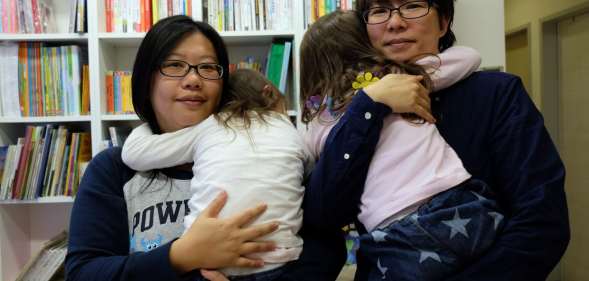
45 119
132 39
74 37
121 117
40 200
262 36
230 37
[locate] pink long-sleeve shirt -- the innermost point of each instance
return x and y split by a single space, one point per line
412 162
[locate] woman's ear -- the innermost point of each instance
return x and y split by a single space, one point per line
443 26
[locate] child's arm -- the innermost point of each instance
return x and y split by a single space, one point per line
145 151
334 188
451 65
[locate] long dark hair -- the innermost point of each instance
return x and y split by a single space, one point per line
246 97
334 50
157 45
445 11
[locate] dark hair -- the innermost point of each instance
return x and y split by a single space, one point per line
334 50
158 43
247 94
445 10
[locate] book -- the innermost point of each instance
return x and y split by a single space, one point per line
284 69
47 262
3 154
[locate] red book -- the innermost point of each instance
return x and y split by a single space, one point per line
108 11
22 165
147 15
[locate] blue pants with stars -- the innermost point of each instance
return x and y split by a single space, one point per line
437 240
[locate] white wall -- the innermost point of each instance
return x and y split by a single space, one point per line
480 24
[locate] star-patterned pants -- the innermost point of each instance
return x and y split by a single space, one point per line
437 240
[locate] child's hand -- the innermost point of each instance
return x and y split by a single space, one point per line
403 94
213 275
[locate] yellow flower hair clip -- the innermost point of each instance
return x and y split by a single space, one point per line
363 80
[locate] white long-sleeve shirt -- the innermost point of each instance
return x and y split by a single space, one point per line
264 164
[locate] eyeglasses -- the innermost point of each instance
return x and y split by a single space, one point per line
409 10
178 68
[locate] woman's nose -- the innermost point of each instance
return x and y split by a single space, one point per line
396 22
192 80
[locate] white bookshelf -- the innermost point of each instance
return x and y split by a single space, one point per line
25 225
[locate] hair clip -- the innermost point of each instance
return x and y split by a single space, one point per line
363 80
313 102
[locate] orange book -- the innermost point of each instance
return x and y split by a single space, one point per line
110 98
85 90
84 156
23 79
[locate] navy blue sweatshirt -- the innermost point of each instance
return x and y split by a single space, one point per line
496 130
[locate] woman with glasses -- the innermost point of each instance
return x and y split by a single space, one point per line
414 178
499 135
128 225
249 149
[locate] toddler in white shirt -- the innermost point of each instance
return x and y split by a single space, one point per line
249 149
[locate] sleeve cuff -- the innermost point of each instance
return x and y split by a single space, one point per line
362 106
158 258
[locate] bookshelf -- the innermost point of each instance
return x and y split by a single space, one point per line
26 224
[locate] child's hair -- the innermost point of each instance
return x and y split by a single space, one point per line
249 95
334 50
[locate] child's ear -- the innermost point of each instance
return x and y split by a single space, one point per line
268 92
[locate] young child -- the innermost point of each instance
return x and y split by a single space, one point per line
249 149
425 216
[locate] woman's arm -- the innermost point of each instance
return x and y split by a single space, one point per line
527 175
98 247
333 190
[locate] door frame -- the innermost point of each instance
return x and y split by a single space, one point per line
549 51
551 79
527 28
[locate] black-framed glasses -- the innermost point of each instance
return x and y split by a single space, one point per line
178 68
408 10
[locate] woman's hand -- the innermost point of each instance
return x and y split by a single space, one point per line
211 242
403 93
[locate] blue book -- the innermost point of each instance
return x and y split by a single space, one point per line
3 153
44 155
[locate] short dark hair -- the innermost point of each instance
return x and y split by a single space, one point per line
445 9
157 45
